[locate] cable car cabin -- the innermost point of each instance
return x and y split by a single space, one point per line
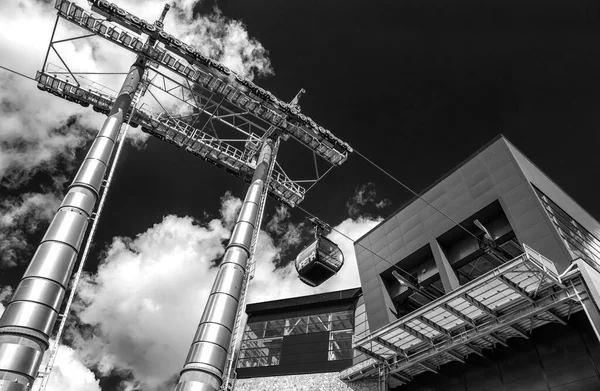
318 262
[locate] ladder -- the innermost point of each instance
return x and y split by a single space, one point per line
44 375
230 374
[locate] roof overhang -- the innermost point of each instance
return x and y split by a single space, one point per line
509 301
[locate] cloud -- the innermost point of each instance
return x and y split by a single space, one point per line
365 197
286 235
19 217
38 130
230 207
228 42
145 302
5 293
70 374
383 203
138 313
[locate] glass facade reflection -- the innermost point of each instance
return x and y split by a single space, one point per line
263 340
580 241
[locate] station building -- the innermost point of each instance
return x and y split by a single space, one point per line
492 284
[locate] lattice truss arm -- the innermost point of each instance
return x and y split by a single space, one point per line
209 96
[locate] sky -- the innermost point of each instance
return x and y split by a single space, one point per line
417 86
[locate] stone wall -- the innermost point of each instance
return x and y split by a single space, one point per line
312 382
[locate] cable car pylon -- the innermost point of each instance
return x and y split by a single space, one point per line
233 102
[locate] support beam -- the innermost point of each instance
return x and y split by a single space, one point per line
434 326
556 317
398 378
415 333
428 367
455 356
474 349
389 346
205 364
516 288
483 308
447 274
498 339
367 352
492 326
519 331
458 314
402 377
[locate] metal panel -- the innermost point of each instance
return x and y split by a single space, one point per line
206 352
242 234
90 174
80 198
7 385
19 358
218 333
41 291
49 262
68 226
101 149
216 304
229 279
248 213
30 315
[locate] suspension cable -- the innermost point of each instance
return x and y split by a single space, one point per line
354 242
18 73
416 194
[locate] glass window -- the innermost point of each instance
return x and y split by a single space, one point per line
255 330
340 345
295 326
579 240
260 353
275 328
341 320
318 323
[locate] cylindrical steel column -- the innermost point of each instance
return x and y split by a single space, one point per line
205 362
29 318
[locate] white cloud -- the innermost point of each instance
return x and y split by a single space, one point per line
141 309
70 374
230 207
286 234
148 295
38 129
365 195
21 216
5 293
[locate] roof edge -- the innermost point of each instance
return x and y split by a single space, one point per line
431 186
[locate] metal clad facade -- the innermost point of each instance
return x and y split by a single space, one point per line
494 174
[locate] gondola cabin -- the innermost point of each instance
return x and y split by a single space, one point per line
318 262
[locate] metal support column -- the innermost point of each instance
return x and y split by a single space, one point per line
29 318
205 362
447 274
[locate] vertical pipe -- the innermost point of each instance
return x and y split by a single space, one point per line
205 362
27 322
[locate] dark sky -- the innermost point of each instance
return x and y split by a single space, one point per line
417 86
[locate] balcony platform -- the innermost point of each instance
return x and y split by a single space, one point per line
507 302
